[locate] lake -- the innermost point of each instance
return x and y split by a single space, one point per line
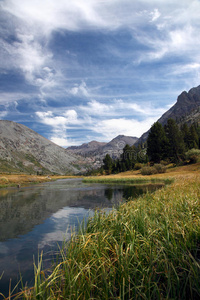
38 218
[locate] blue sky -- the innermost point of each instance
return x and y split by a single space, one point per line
82 70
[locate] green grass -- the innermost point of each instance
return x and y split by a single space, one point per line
148 248
127 180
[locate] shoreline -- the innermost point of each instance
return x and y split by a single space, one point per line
24 180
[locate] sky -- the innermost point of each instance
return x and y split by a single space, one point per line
81 70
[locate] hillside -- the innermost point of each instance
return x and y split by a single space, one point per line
186 109
24 150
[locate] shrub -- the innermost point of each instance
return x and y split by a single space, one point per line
165 162
193 155
138 166
157 168
160 168
148 171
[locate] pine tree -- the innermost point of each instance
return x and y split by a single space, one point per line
176 143
156 143
129 157
186 135
108 164
193 137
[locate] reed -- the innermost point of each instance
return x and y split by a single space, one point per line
148 248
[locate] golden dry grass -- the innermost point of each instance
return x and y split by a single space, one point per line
173 172
24 179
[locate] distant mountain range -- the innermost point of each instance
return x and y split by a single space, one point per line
24 150
99 150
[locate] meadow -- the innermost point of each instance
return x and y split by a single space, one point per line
148 248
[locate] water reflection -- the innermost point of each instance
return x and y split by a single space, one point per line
37 218
130 191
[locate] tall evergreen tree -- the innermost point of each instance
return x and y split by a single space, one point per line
193 139
175 139
108 164
156 143
186 135
129 156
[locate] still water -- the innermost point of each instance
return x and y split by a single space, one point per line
39 218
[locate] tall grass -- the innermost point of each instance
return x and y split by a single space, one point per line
148 248
127 180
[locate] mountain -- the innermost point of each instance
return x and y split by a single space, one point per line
116 146
99 150
186 104
186 109
24 150
86 149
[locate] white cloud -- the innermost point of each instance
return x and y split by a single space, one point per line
8 97
3 114
180 41
94 107
112 127
155 15
59 124
187 68
80 90
63 142
145 109
119 107
71 115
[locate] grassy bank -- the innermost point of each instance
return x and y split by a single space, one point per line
148 248
16 180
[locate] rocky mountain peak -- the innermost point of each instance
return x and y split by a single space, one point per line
191 98
187 109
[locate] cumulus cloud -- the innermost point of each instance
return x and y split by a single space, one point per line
59 124
80 90
97 108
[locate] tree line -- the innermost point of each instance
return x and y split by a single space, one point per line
168 143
